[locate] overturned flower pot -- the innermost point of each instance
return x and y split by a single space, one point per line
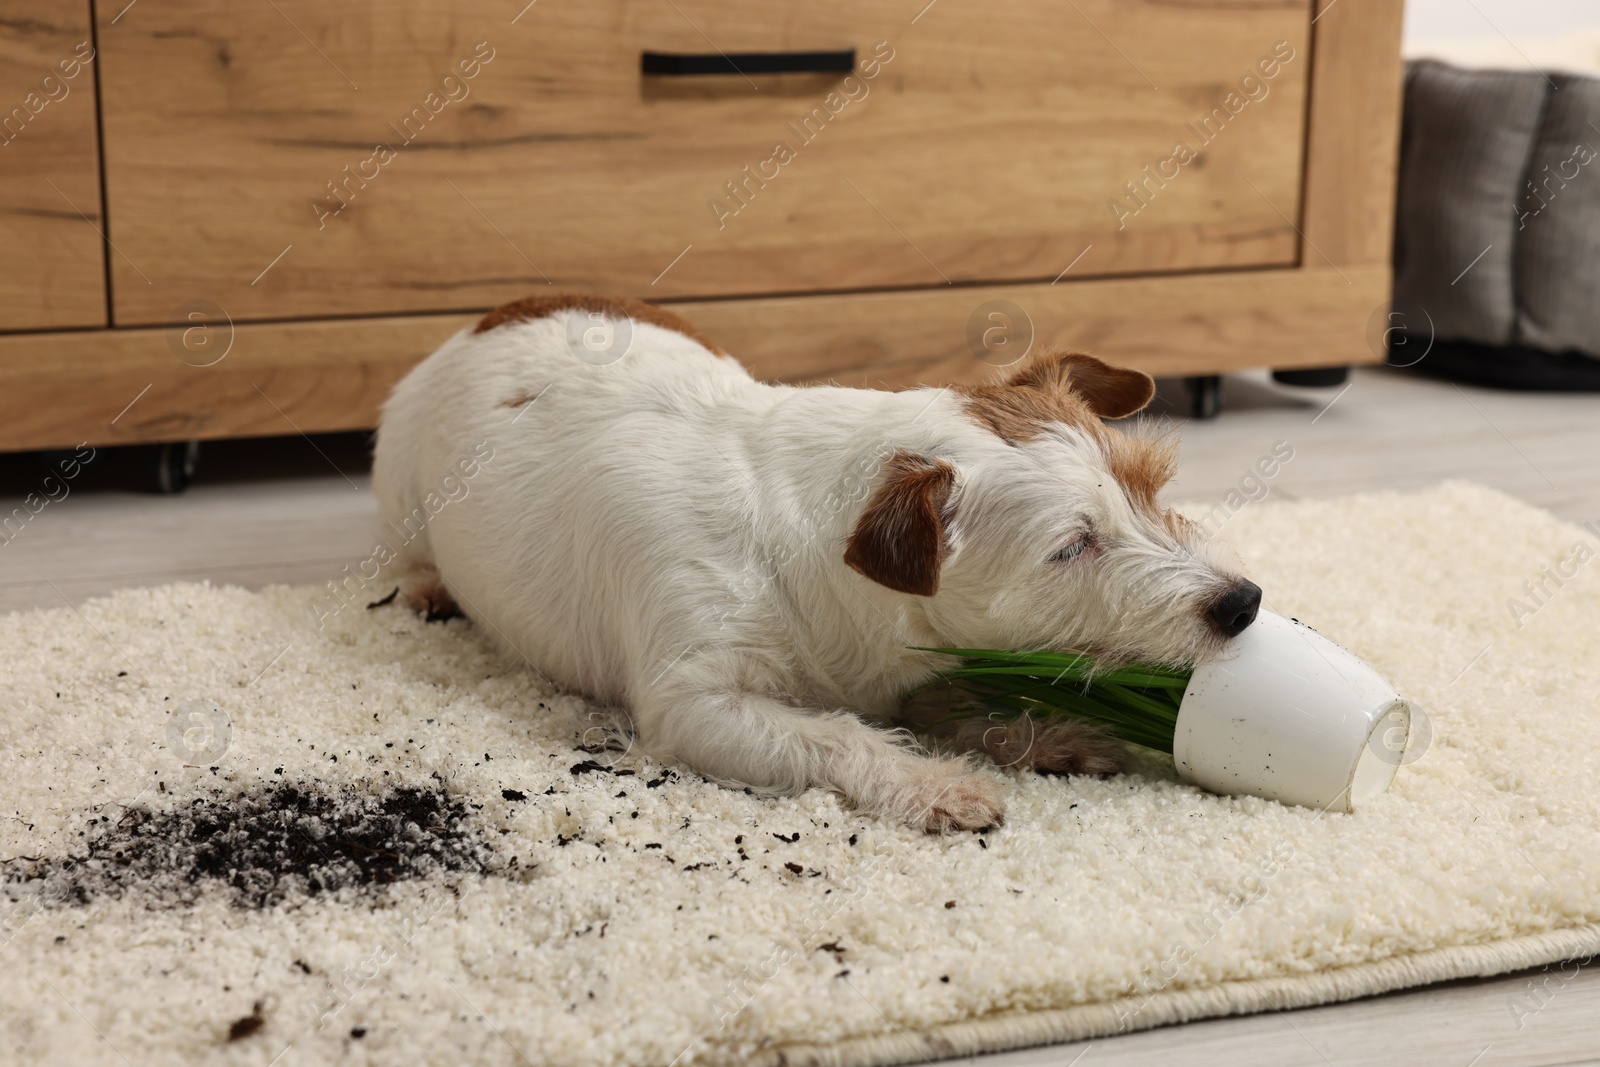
1288 715
1284 713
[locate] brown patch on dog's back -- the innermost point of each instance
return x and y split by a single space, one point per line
538 307
899 539
1070 388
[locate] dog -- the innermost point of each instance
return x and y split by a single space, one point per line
749 569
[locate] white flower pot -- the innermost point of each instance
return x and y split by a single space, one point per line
1288 715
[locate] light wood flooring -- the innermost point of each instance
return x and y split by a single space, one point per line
297 510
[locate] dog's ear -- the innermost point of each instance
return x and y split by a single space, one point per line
1111 392
899 540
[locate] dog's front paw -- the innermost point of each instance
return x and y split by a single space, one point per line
957 802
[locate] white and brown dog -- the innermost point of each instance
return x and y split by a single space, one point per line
747 568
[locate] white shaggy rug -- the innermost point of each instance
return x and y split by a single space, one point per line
396 847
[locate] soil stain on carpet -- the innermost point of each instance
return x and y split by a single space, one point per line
264 846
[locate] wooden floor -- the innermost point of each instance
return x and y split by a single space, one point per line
297 510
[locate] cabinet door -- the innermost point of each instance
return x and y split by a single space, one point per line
52 267
302 159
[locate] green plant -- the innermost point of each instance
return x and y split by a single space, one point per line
1134 703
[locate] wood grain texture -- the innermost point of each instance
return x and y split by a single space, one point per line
1188 324
131 385
126 385
52 273
1353 133
988 148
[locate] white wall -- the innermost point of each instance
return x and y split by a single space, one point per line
1434 20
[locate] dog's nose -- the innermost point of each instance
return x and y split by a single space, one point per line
1234 611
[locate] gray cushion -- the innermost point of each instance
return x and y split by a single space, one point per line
1558 243
1466 143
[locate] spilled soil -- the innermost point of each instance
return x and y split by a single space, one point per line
262 846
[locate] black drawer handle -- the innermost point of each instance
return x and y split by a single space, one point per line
841 62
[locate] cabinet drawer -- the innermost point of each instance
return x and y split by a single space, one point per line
308 159
52 270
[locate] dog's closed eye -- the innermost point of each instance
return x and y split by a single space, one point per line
1074 550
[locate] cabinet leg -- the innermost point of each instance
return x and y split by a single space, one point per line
175 463
1205 395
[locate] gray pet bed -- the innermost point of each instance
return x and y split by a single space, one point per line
1497 231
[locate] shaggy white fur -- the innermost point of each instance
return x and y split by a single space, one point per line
632 919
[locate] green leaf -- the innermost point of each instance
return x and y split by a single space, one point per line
1137 703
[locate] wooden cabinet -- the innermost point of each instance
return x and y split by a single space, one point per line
420 156
52 270
323 192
